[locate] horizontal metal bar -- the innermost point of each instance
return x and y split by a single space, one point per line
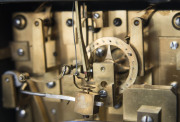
62 97
33 93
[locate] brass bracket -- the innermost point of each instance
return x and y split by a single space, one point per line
137 43
39 59
129 52
8 91
43 59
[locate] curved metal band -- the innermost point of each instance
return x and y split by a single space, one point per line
129 52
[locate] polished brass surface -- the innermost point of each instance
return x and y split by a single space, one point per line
111 57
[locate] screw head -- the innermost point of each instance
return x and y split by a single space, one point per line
174 84
174 45
66 69
20 52
22 77
51 84
53 111
36 23
117 106
90 70
69 22
146 118
19 22
7 79
55 54
103 93
96 15
22 113
103 69
136 22
177 21
117 22
100 52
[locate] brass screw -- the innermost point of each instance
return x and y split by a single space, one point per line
20 22
22 113
136 22
20 52
36 23
69 22
103 93
117 22
96 15
23 77
51 84
102 68
7 79
146 118
174 45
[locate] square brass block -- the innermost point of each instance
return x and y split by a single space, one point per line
152 112
150 95
85 103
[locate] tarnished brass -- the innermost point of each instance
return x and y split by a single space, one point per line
9 92
50 48
100 19
138 41
146 48
85 103
27 117
151 95
39 66
39 103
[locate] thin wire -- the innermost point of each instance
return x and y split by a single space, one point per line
74 80
74 35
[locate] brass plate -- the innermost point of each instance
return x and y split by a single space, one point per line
8 90
129 52
20 45
152 95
